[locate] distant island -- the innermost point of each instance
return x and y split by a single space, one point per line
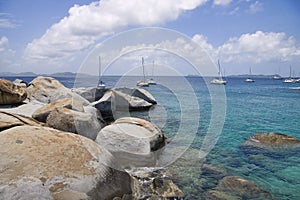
31 74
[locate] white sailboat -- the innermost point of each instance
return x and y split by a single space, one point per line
143 83
219 80
277 76
249 80
151 81
101 84
290 79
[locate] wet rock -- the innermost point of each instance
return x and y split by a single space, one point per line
271 143
84 124
151 183
47 90
240 188
211 171
42 113
43 163
133 141
9 120
11 93
138 92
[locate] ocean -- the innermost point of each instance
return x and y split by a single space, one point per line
185 112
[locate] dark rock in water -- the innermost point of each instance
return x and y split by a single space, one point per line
210 171
44 163
151 183
134 142
234 187
47 90
91 94
85 124
271 143
9 120
42 113
11 93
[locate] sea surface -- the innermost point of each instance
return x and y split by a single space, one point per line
185 110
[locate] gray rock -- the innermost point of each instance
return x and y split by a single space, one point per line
11 93
115 101
42 113
47 90
91 94
9 120
134 142
44 163
20 83
85 124
138 92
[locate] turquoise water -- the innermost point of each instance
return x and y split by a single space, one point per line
264 106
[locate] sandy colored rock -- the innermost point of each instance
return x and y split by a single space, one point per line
133 141
11 93
47 90
44 163
85 124
8 120
42 113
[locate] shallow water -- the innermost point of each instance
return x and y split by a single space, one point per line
264 106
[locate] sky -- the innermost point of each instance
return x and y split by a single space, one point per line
47 36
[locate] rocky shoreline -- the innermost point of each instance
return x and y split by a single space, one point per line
61 143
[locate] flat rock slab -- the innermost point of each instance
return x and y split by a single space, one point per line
44 163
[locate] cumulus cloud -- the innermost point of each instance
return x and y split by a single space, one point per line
88 23
259 47
6 54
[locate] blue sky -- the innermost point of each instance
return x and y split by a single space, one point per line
46 36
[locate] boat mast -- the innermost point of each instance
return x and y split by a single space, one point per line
99 79
152 68
143 69
219 72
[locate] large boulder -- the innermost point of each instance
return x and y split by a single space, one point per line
9 120
42 113
20 83
134 142
116 101
44 163
234 187
138 92
47 90
91 94
271 143
85 124
11 93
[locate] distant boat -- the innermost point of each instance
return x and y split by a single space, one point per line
290 79
219 80
143 83
151 81
249 80
101 84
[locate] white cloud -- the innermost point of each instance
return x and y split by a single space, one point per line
6 21
88 23
259 47
221 2
6 54
256 7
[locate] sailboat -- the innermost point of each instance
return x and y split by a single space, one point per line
249 80
219 80
277 76
151 81
290 79
101 84
143 83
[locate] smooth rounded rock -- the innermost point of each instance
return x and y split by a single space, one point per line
134 141
44 163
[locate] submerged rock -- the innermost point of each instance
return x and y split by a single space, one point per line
234 187
85 124
42 113
11 93
132 141
47 90
43 163
271 143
